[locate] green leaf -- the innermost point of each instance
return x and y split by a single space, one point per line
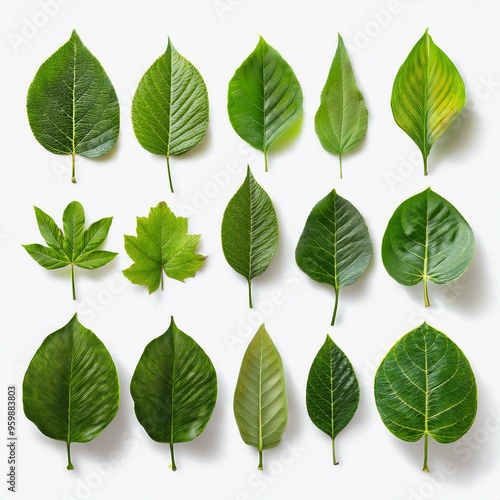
161 244
250 231
332 392
425 387
174 389
342 118
335 246
74 247
264 98
427 239
260 403
427 95
72 105
71 388
170 107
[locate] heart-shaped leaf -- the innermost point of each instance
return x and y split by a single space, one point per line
170 107
335 246
425 387
427 95
250 231
71 390
427 239
72 105
264 98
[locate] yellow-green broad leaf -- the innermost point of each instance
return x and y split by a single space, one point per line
260 402
427 95
71 389
425 387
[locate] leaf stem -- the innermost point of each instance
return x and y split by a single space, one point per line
161 280
261 465
266 169
426 293
333 453
169 176
73 281
68 451
173 466
250 304
336 305
340 162
425 468
73 173
425 164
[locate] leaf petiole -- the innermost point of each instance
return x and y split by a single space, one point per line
425 467
337 289
169 175
333 453
261 465
340 163
173 466
266 169
250 304
426 293
73 281
73 169
68 451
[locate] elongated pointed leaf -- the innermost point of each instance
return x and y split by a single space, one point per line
264 98
427 239
174 388
425 387
427 95
332 392
170 107
260 402
72 105
342 118
71 389
335 246
250 231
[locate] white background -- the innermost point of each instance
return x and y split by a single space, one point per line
216 36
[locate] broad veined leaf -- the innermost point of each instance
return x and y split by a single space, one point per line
174 389
342 118
425 387
260 402
71 389
264 98
77 246
332 392
335 246
250 231
170 107
427 239
162 245
427 95
72 105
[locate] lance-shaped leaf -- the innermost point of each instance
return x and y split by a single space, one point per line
427 239
71 389
170 107
260 403
264 98
427 95
250 231
77 246
332 392
174 388
342 118
162 245
335 246
72 105
425 387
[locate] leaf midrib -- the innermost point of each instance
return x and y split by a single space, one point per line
260 396
70 392
425 95
73 103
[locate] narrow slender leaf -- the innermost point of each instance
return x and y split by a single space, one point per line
71 388
174 389
335 246
425 387
260 403
427 95
342 118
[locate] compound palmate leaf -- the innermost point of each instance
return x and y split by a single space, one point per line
260 402
427 239
71 389
425 387
174 389
72 105
170 107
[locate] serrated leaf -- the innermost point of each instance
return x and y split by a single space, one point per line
264 98
332 392
174 388
427 239
170 107
71 389
250 231
161 245
425 387
427 95
342 118
260 402
72 105
335 246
